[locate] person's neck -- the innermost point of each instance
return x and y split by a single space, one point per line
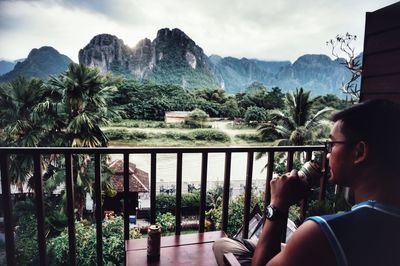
382 188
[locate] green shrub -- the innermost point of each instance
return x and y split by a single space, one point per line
196 118
256 114
178 136
210 135
113 244
191 200
123 134
165 202
116 134
249 137
167 222
26 245
235 212
214 215
137 135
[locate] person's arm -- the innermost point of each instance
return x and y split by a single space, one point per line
269 243
285 191
308 246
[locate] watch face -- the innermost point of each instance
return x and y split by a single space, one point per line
270 212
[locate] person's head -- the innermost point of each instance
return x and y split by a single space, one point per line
370 135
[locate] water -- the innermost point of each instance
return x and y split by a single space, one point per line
191 170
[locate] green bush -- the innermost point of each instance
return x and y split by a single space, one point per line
209 135
116 134
178 136
123 134
166 202
256 114
214 215
249 137
167 222
191 200
26 245
235 212
137 135
113 244
196 118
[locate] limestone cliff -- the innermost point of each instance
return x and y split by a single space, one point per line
172 57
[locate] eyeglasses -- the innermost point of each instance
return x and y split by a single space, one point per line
329 144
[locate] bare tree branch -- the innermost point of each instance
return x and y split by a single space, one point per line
343 51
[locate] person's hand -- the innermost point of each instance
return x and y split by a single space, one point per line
287 189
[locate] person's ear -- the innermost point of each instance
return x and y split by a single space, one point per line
361 152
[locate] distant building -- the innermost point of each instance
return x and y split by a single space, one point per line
138 182
176 116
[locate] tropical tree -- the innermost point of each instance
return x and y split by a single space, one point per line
78 106
18 99
299 124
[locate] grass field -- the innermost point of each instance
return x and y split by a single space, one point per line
160 134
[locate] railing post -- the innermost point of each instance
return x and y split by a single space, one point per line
99 227
324 179
178 203
225 196
69 183
270 172
289 162
153 175
303 202
203 191
247 193
37 176
126 193
7 207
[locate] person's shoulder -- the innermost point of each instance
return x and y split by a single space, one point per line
308 246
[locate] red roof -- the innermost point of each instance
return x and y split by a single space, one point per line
138 179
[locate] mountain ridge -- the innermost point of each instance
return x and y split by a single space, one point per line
40 63
173 57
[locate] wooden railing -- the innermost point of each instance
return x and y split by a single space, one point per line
37 154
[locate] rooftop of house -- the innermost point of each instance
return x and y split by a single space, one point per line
138 179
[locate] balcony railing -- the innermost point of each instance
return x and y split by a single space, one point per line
37 154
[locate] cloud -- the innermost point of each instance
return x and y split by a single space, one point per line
284 29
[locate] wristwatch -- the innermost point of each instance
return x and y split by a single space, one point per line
273 214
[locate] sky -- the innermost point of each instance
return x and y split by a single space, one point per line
262 29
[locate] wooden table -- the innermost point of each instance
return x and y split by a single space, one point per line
193 249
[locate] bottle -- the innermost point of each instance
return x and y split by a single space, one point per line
153 242
310 172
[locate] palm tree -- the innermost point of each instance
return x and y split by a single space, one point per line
78 104
18 99
298 125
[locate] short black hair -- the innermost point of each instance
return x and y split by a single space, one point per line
377 122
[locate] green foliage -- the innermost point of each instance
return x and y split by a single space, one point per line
191 200
26 245
166 202
214 197
255 114
150 101
167 222
298 124
113 244
134 233
249 137
196 119
214 215
235 212
209 135
261 97
145 124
